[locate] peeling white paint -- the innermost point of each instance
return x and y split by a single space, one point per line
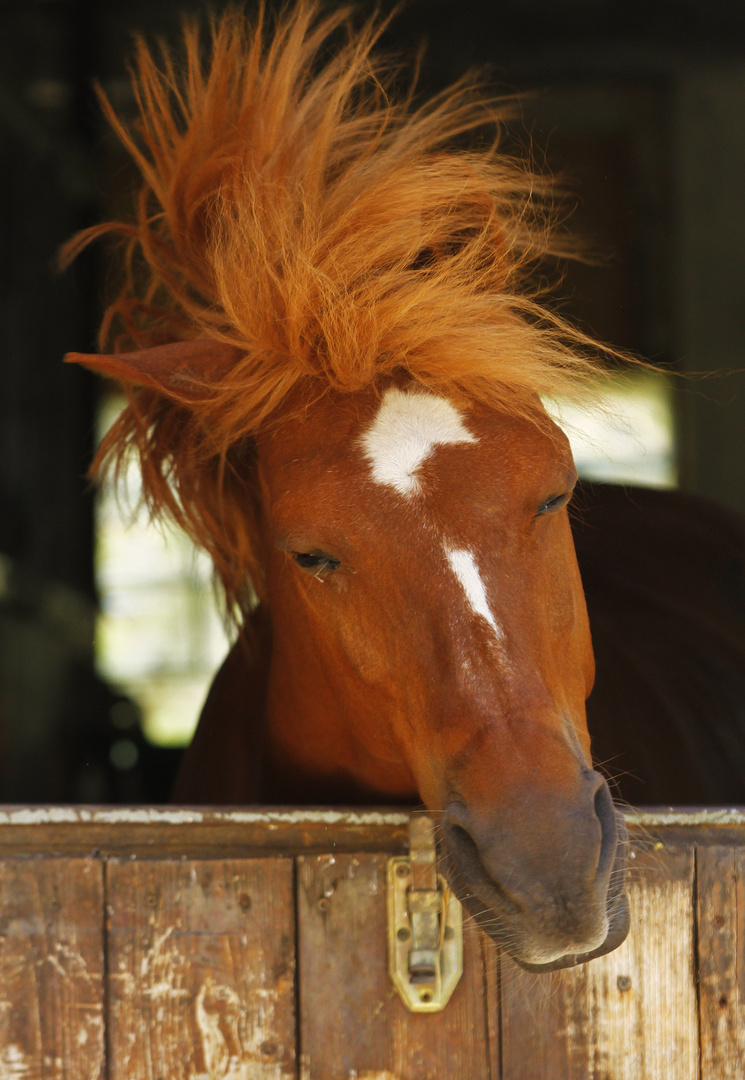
164 989
48 815
231 1041
157 955
367 1074
161 977
85 1022
127 983
54 962
54 815
245 1070
680 816
68 962
218 1014
13 1063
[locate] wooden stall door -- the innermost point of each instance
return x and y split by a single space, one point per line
252 946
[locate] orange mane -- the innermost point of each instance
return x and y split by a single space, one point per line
294 206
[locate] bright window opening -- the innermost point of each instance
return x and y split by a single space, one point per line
160 637
628 436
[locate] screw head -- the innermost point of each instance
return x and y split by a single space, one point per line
402 869
623 982
403 933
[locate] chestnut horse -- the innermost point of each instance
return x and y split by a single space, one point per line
334 357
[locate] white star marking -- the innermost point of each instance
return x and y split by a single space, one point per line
406 429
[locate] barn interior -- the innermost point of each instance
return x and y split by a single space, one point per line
108 637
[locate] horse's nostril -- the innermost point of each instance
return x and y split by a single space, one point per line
462 837
465 848
606 815
464 852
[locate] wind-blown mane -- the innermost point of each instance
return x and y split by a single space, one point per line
295 207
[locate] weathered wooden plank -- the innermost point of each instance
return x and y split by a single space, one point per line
721 961
201 970
51 970
631 1015
194 832
353 1023
202 832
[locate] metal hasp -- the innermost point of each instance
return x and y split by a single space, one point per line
425 925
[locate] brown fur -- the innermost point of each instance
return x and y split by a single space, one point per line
295 207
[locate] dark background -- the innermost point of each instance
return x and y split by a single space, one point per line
640 105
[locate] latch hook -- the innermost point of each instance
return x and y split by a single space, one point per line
425 924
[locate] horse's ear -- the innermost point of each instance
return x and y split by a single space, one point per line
179 370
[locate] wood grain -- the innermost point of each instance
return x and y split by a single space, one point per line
51 970
205 832
353 1023
492 961
202 970
721 961
198 832
630 1015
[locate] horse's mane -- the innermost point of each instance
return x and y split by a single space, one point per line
294 205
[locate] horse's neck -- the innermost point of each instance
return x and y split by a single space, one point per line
291 742
224 763
326 733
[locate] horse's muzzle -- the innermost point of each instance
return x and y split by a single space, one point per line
617 908
545 881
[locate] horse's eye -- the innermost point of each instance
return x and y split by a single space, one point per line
550 506
316 562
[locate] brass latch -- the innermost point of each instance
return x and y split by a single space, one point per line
425 925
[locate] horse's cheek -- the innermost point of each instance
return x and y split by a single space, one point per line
366 647
565 626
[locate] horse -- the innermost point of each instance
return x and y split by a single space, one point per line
331 332
664 580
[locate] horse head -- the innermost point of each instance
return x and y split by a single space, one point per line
431 640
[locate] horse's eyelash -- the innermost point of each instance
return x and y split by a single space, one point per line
558 502
315 561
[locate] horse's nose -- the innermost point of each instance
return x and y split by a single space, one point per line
541 866
605 812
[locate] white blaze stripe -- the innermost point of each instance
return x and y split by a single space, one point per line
407 427
463 565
